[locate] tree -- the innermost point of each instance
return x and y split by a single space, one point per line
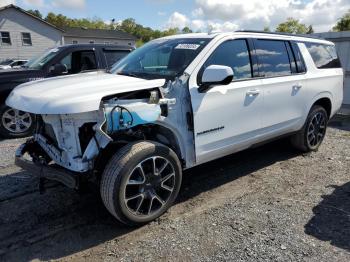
129 25
186 30
267 29
35 13
292 26
310 30
343 23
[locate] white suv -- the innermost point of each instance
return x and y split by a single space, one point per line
175 103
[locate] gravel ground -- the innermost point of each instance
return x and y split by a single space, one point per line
263 204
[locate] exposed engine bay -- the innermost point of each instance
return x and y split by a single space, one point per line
76 141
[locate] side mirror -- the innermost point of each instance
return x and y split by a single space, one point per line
58 69
215 75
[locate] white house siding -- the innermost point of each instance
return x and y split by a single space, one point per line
86 40
43 36
342 42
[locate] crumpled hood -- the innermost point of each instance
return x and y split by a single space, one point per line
74 94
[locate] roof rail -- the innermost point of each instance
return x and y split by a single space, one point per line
278 33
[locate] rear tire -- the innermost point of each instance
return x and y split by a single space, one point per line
15 123
141 181
310 137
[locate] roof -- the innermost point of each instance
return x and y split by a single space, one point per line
78 31
335 36
97 33
33 16
277 36
108 47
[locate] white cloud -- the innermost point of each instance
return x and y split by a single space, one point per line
7 2
180 21
177 20
229 15
222 27
74 4
36 3
198 25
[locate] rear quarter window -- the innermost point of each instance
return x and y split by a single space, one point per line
324 56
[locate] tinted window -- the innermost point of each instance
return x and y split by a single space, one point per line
79 61
298 58
273 58
112 56
234 54
324 56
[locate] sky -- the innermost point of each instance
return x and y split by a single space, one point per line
199 15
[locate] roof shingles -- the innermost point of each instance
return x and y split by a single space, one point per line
96 33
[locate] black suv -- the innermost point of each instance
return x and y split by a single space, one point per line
64 60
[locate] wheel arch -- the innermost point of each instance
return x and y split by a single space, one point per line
158 132
325 100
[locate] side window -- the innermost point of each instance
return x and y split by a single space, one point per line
324 56
113 56
273 58
79 61
234 54
67 62
298 58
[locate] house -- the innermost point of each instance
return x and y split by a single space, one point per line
342 42
76 35
23 35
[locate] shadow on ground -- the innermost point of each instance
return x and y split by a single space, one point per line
341 122
62 222
331 220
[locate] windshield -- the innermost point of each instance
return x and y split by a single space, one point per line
39 61
6 62
163 58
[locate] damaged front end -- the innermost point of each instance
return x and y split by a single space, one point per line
65 147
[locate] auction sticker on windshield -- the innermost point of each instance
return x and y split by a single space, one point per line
187 46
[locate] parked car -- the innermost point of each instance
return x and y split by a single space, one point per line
175 103
12 63
64 60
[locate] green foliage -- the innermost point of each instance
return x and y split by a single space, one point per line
186 30
63 21
35 13
310 30
343 23
293 26
129 25
267 29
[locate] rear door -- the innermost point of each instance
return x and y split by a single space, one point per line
283 83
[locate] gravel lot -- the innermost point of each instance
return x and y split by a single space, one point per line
268 203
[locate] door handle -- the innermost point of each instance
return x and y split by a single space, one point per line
253 92
297 87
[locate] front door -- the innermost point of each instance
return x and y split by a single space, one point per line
227 118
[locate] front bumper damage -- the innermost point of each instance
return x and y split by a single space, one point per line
43 171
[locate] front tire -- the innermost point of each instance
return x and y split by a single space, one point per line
15 123
141 182
311 136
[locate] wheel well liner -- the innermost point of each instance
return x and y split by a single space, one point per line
155 133
326 103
